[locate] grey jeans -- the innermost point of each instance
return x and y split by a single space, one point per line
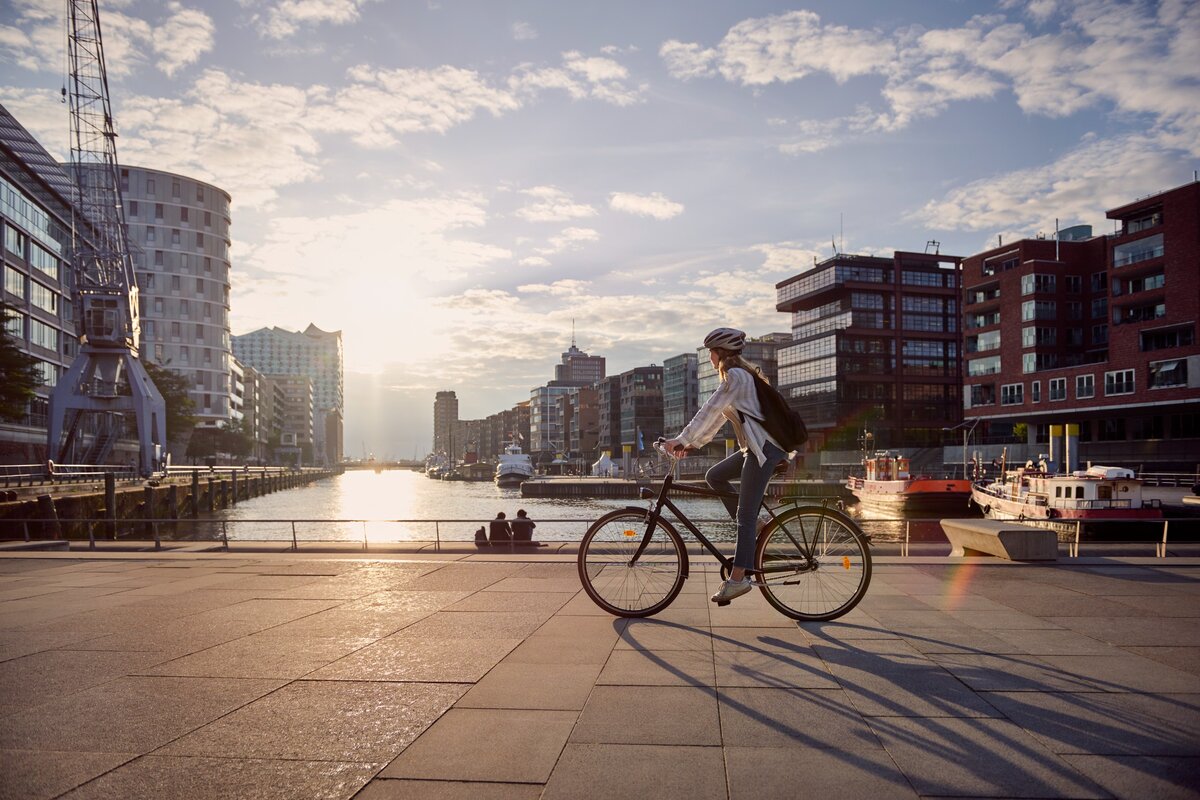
744 510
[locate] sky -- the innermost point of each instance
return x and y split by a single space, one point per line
456 186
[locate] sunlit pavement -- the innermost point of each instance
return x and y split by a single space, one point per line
293 676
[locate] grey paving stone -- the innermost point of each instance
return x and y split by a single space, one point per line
960 601
174 638
788 639
1054 642
1109 724
1007 620
533 686
400 601
35 679
649 715
393 789
561 650
264 612
649 634
658 771
1125 673
582 605
463 577
1186 659
572 627
857 624
1124 631
421 659
779 669
899 620
978 757
15 644
128 715
263 656
889 678
1160 605
1014 673
524 582
336 623
658 668
963 639
794 718
477 625
324 720
538 602
1140 777
155 777
36 774
513 746
1081 605
764 773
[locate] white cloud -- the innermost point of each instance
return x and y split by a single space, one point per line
534 261
652 205
580 77
523 31
561 288
552 204
569 239
179 38
286 17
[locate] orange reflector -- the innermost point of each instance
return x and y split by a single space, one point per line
630 533
845 562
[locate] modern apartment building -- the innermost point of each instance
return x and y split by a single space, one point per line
609 413
875 348
547 434
641 408
35 213
263 412
315 353
296 436
583 430
1098 332
681 391
179 234
445 417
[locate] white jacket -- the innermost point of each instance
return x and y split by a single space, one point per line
735 394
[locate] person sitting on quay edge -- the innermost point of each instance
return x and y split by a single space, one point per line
498 529
522 527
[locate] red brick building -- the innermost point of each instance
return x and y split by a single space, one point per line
1094 330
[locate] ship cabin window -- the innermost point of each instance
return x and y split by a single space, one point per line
1078 492
1058 491
1104 492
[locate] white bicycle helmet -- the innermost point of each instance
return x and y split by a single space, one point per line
726 339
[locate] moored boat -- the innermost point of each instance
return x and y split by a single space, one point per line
1031 493
887 485
514 467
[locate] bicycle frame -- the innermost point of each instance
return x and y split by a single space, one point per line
664 501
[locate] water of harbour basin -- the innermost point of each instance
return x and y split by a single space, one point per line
400 505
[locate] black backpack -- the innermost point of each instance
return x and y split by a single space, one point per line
783 424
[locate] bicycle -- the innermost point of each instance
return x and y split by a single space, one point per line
811 563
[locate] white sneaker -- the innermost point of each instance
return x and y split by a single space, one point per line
731 589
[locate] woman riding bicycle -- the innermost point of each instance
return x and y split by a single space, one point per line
737 401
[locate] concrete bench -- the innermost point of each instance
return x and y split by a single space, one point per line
1002 538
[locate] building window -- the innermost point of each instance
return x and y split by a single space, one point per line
158 306
1074 283
159 259
43 297
1074 309
133 208
1036 362
1142 223
124 180
983 395
208 219
1057 389
1146 284
175 189
983 342
1099 281
1038 309
1074 337
1085 386
14 282
151 235
175 284
158 353
183 214
1035 392
43 335
1100 308
1119 381
1012 394
175 334
199 194
1100 334
1167 339
199 240
150 187
14 324
1032 284
174 236
1141 250
1168 373
158 212
983 366
1035 337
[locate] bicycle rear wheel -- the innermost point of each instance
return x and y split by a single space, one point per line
616 582
815 563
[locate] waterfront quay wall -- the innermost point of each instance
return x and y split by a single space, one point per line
620 488
66 512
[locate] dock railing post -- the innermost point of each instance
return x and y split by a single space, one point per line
364 524
1074 549
907 526
295 545
437 536
1162 548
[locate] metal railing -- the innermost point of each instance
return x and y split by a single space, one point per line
42 474
366 533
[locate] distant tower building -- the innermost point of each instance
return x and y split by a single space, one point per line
35 212
179 227
315 353
445 417
578 366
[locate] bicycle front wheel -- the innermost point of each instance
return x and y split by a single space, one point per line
815 563
620 583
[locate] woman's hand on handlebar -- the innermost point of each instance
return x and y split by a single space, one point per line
675 448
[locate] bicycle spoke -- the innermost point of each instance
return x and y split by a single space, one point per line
625 572
815 564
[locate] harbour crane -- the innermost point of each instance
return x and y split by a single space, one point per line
106 382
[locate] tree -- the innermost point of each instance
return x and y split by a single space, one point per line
174 389
235 440
19 375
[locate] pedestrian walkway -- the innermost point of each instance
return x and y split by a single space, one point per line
335 676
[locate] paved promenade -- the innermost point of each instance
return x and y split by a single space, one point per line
440 676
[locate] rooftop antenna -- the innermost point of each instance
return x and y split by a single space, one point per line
572 332
936 245
1056 239
842 231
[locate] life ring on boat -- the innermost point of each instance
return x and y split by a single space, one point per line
1051 513
985 509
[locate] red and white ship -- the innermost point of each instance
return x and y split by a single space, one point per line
1030 493
888 486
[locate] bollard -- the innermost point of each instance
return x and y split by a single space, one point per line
110 503
195 494
49 514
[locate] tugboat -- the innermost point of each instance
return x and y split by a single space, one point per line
514 467
1033 493
888 486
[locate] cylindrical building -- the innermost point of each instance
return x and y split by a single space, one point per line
179 235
